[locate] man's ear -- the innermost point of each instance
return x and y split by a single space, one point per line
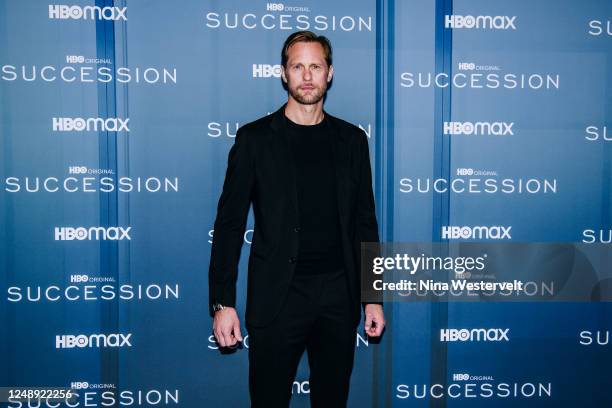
283 74
330 74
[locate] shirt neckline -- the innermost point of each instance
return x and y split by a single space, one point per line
319 125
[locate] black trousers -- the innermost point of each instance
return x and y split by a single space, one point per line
317 317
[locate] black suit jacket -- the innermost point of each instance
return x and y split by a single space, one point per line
260 170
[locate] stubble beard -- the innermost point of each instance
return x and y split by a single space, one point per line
311 98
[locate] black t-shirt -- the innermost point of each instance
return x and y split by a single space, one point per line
320 249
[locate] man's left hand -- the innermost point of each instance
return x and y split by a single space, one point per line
374 320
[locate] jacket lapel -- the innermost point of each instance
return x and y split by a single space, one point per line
284 158
340 162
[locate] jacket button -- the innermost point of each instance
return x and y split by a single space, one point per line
292 259
296 229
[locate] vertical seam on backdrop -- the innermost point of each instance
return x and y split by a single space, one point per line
384 173
107 156
8 214
441 169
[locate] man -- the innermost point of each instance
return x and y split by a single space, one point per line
308 176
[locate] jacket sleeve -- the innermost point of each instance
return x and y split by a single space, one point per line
230 223
366 224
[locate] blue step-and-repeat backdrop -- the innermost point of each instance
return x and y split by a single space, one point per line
116 118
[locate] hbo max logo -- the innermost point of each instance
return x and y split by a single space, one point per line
494 232
64 12
478 128
301 387
448 335
93 340
266 71
93 233
484 22
90 124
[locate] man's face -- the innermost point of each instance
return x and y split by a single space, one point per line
307 73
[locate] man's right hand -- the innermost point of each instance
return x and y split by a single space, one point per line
226 327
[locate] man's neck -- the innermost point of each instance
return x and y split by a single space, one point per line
304 114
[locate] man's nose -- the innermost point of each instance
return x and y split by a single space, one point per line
307 75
